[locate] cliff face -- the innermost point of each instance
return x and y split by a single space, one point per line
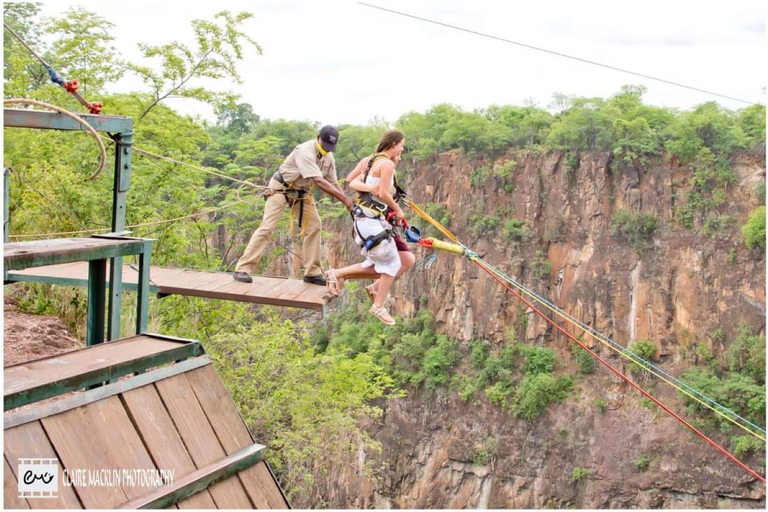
440 452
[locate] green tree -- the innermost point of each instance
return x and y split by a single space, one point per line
83 50
587 125
219 45
22 72
308 408
238 118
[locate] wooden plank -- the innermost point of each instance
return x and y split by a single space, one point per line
11 490
290 287
27 415
200 479
200 439
159 434
262 286
211 285
30 441
234 435
100 436
302 292
188 280
43 378
227 287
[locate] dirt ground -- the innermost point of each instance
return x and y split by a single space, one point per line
27 337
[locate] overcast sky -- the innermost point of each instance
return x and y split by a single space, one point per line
336 61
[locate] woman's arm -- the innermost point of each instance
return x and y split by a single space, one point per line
355 180
358 185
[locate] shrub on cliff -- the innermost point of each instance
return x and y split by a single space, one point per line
637 228
754 229
537 391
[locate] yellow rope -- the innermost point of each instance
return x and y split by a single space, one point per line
424 215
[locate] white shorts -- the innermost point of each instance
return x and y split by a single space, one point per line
384 257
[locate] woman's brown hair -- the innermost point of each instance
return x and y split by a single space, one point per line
389 139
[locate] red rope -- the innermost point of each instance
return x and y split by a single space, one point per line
621 375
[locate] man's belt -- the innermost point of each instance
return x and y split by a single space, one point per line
278 176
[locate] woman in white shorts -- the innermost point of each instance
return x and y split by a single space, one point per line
386 256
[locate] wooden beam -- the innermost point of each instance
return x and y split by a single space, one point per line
200 479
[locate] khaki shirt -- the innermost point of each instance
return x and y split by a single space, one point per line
305 163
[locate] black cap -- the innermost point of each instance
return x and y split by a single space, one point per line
329 137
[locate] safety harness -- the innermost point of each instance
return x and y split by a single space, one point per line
368 206
293 196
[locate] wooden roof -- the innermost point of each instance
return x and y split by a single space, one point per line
178 417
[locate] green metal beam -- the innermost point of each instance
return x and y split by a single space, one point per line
201 479
120 187
100 375
21 118
6 208
97 278
142 299
68 281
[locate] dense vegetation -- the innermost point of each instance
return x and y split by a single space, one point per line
306 393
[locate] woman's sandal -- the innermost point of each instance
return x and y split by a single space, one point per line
334 283
382 314
371 292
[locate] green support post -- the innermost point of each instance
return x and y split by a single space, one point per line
6 208
97 277
123 150
142 292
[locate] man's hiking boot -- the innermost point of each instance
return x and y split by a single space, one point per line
318 279
243 277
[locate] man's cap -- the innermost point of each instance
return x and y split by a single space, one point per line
329 137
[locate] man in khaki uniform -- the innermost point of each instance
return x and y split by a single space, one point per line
310 163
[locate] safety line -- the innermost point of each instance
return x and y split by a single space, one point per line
475 259
723 411
144 224
201 169
621 350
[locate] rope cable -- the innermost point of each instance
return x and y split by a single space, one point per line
477 261
613 345
75 117
721 410
559 54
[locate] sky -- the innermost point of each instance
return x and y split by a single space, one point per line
337 61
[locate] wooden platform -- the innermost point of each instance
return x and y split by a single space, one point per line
43 378
178 418
21 255
276 291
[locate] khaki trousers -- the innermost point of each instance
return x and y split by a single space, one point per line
273 212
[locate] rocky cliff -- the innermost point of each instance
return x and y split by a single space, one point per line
682 286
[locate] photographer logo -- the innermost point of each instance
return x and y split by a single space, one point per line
38 478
